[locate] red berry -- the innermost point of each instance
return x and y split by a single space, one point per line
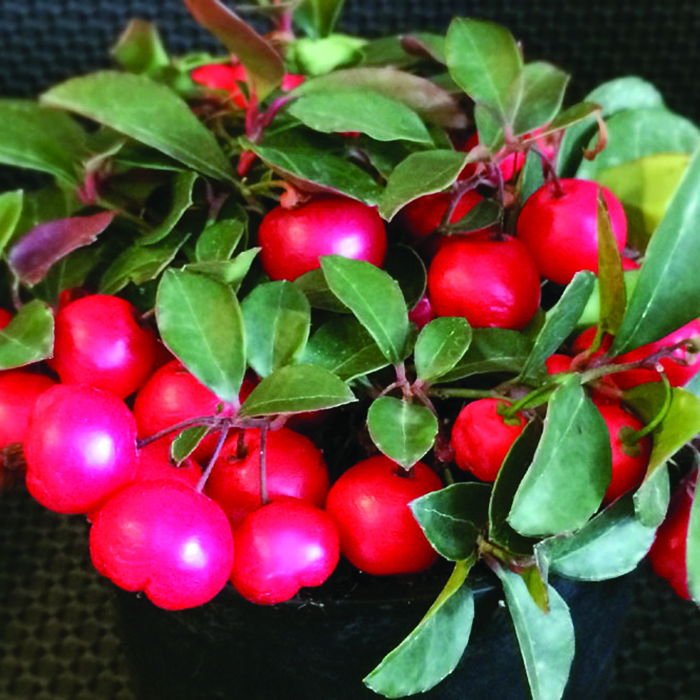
166 539
629 264
294 467
481 437
99 343
668 553
154 463
490 283
423 215
80 448
558 363
219 76
378 532
510 166
281 547
561 231
422 314
290 81
293 239
5 318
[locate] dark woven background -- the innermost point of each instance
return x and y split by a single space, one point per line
57 638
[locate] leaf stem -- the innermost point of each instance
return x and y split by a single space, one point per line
633 437
462 393
263 466
225 426
190 422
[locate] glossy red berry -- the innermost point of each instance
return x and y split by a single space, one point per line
294 467
281 547
378 532
423 215
154 463
490 283
292 240
561 230
481 437
166 539
422 313
99 343
80 448
558 363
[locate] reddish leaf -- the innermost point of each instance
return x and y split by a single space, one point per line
47 243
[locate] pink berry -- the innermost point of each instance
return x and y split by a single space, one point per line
154 463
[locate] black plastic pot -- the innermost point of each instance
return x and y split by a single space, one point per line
320 648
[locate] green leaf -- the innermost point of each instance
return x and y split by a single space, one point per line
440 346
277 321
147 112
71 271
491 350
557 494
541 88
201 323
367 111
570 117
403 431
432 651
667 295
561 321
375 299
139 49
531 178
41 139
608 546
489 128
43 205
546 640
186 442
11 204
652 497
486 213
693 549
181 201
218 241
484 60
438 170
319 56
28 337
452 518
314 285
611 280
140 264
296 390
344 347
407 268
228 272
639 133
323 14
432 45
264 65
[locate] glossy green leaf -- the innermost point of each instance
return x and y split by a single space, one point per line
570 117
667 295
484 60
541 88
408 269
264 65
218 241
140 264
181 201
323 14
186 442
571 470
28 337
139 49
201 323
146 111
561 321
452 518
403 431
531 178
440 346
11 204
639 133
434 648
438 170
492 350
611 281
693 549
486 213
546 640
277 319
228 272
41 139
344 347
314 285
367 111
374 298
296 390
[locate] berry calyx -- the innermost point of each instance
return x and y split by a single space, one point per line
482 436
378 533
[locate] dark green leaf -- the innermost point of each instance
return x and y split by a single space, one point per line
71 271
560 493
546 640
345 348
181 201
611 281
486 213
531 178
375 299
403 431
229 272
296 390
574 115
407 268
140 49
218 241
186 442
28 337
561 321
693 549
264 65
386 51
485 61
667 295
452 518
137 155
147 112
140 264
434 648
492 350
440 346
314 285
201 323
542 88
438 170
367 111
10 212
